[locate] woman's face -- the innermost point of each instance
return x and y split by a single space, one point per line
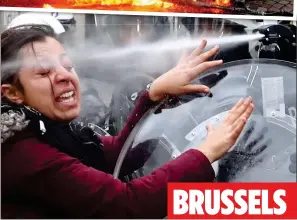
50 83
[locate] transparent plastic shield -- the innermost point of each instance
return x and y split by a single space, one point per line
265 149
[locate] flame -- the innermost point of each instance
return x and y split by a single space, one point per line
140 5
47 6
157 3
223 2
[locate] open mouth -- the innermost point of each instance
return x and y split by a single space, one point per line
66 97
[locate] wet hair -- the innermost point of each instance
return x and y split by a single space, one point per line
12 41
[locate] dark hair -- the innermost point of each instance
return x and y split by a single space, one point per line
12 40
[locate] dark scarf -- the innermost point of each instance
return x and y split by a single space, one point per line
71 138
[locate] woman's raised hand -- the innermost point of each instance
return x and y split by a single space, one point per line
178 80
222 138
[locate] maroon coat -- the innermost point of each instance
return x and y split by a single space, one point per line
38 181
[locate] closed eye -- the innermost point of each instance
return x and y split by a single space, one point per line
44 73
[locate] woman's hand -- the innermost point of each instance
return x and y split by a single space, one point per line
221 139
177 80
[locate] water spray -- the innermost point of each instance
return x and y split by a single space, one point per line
175 45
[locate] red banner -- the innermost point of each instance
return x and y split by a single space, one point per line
232 200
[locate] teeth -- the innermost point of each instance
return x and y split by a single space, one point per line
68 100
67 94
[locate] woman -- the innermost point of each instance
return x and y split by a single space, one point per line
51 168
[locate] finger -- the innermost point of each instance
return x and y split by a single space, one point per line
184 57
202 58
195 88
244 117
198 50
240 110
197 70
234 108
238 129
206 55
247 113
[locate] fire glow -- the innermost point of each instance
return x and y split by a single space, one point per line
182 6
